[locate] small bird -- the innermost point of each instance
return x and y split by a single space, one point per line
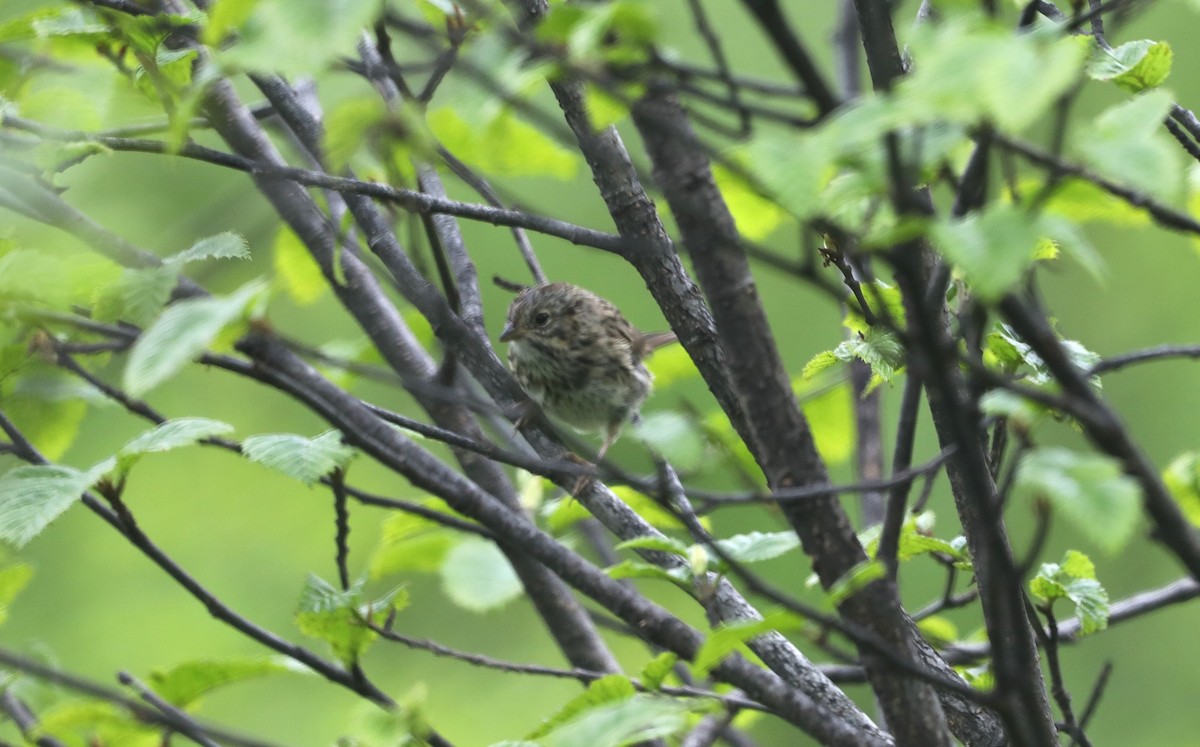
579 358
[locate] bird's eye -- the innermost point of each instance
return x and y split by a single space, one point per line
541 318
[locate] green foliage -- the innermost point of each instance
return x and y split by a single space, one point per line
855 580
477 577
339 617
680 576
641 718
877 347
92 722
283 37
1074 579
184 684
1134 66
658 669
673 435
753 547
671 364
32 496
614 688
410 543
1182 478
732 636
13 578
992 249
169 435
296 271
1089 489
300 458
502 144
182 332
756 216
1126 142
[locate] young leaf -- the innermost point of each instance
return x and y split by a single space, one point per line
1074 579
674 436
638 720
992 249
410 543
138 296
300 458
658 668
680 576
183 331
32 496
755 546
13 579
1089 489
477 576
169 435
1134 66
295 269
338 617
855 579
184 684
729 637
1125 143
615 688
1182 477
656 544
226 245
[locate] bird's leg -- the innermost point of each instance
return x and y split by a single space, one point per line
609 436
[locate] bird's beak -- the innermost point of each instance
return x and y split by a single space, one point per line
509 332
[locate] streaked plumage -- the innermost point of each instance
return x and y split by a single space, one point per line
579 358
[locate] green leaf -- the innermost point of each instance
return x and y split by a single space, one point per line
830 410
13 578
640 719
878 348
183 331
477 577
410 543
938 630
730 637
655 543
337 617
295 269
1089 489
856 579
226 245
169 435
1074 579
1125 143
820 362
753 547
184 684
614 688
32 496
674 436
1134 66
1182 477
92 722
671 364
680 576
992 249
972 68
756 216
1081 201
280 36
658 669
300 458
138 296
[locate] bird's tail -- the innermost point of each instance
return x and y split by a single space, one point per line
656 340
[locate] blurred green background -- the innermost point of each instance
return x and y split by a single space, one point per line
96 606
